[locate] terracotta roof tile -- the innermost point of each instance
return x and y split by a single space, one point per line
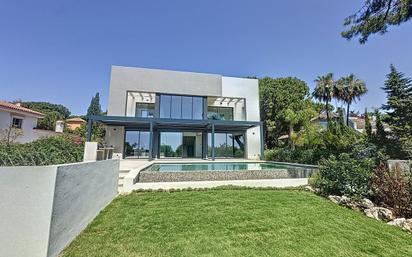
19 108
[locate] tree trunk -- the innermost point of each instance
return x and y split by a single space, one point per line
327 113
347 115
291 144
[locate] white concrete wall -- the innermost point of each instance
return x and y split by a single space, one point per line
248 89
125 79
42 208
81 191
26 200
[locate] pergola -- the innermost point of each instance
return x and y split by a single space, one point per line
149 124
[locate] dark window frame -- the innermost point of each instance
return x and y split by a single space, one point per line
19 125
181 106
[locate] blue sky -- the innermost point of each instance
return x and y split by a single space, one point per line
62 51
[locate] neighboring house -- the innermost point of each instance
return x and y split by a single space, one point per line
322 120
21 119
358 123
74 123
172 114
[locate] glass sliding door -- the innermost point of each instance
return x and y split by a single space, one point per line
180 145
227 145
170 144
136 144
238 144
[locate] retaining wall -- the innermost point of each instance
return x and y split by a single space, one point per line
43 208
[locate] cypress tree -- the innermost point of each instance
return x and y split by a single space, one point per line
94 107
368 125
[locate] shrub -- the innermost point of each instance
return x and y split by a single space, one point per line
306 156
345 176
394 188
45 151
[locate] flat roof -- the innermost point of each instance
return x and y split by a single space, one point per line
175 124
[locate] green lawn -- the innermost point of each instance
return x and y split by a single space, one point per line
235 223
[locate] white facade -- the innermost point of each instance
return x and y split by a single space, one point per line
129 86
29 122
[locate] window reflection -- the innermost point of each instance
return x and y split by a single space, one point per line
227 145
181 107
136 144
145 110
219 113
165 102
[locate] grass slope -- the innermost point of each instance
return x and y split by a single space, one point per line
235 223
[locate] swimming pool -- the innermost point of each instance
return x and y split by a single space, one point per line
217 166
168 172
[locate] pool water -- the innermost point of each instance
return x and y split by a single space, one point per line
220 166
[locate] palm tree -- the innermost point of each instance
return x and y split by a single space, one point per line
325 87
350 90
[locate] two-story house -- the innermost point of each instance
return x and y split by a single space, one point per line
172 114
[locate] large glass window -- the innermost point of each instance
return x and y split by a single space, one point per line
137 144
227 145
187 105
219 113
197 108
145 110
181 107
180 144
176 107
170 144
165 102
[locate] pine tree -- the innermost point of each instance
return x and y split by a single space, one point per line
94 107
368 125
399 106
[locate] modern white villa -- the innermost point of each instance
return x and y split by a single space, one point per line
157 114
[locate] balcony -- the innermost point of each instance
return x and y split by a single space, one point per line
226 108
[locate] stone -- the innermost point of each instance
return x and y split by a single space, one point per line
344 200
408 225
379 213
334 198
354 206
366 203
400 222
310 189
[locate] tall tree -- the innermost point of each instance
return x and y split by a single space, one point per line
325 86
53 112
368 125
375 16
351 89
399 106
380 130
298 113
276 96
94 107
